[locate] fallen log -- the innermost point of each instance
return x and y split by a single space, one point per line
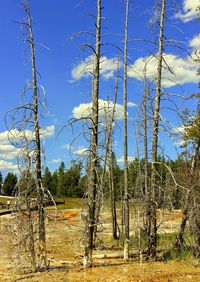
115 255
4 212
133 254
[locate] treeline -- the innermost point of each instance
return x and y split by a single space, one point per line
72 182
62 182
65 182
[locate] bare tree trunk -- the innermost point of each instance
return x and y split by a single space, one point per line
146 184
145 133
94 147
152 240
31 235
122 214
111 166
42 263
126 198
112 198
180 238
140 184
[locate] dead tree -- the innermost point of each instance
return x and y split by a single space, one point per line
111 169
152 217
126 192
26 219
42 264
179 243
145 126
25 133
93 185
109 150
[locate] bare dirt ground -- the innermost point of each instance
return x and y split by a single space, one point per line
63 244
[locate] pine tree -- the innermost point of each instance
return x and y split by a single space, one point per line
61 180
9 184
47 180
54 183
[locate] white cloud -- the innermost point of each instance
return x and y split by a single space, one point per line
9 155
84 110
189 12
66 146
10 152
195 42
5 165
121 159
56 161
81 151
6 148
48 131
16 135
184 70
131 104
179 143
179 129
178 135
108 68
4 138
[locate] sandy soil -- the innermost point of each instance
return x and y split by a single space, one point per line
63 244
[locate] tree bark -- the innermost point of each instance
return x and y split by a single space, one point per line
126 198
42 263
112 200
180 238
111 166
94 147
152 232
145 132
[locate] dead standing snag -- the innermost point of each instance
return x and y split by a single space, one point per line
25 134
93 183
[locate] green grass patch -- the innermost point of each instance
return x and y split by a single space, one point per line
3 201
184 254
166 240
119 243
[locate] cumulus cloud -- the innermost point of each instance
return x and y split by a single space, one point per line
189 11
7 151
10 152
66 146
9 155
195 42
5 165
179 129
56 161
121 159
84 110
179 143
85 68
6 148
131 104
48 131
184 70
179 135
4 138
81 151
16 134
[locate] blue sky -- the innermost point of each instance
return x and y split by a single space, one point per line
61 62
